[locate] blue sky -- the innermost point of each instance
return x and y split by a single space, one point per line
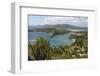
36 20
42 20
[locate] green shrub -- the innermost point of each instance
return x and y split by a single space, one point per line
41 50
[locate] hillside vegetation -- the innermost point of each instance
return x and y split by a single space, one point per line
42 50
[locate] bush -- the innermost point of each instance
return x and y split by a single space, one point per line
41 50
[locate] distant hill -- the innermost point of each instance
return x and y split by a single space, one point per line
66 26
56 27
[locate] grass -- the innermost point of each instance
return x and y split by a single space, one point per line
42 50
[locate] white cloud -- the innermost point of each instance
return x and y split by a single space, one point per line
77 21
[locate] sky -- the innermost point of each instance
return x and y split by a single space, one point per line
35 20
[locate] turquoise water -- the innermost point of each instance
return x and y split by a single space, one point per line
55 41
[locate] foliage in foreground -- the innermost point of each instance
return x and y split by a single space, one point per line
42 50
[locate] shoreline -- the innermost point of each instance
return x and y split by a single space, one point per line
73 40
